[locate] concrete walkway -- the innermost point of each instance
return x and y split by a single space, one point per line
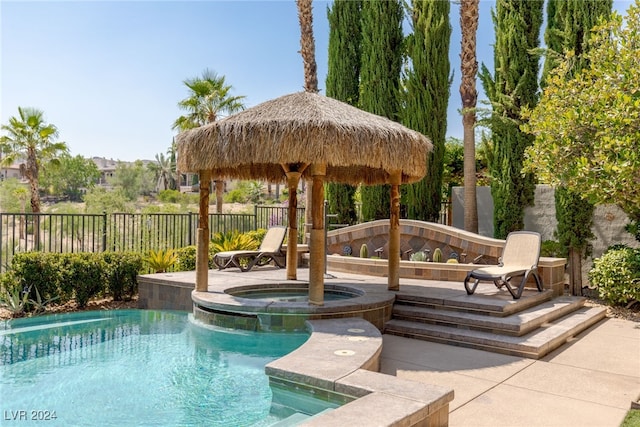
589 382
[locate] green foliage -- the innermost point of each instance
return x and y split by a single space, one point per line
133 179
552 248
14 300
122 270
513 85
233 241
209 95
161 260
187 259
425 99
364 251
575 217
419 256
99 200
634 229
170 196
245 192
617 275
56 276
382 47
437 255
341 202
69 176
31 138
343 79
39 305
14 196
632 419
587 124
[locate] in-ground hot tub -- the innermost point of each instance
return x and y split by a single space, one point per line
284 306
292 293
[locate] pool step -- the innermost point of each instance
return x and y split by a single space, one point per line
297 419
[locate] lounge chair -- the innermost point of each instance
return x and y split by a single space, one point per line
270 250
519 259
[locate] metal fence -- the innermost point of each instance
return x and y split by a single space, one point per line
50 232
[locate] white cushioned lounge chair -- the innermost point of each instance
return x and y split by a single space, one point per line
519 259
270 250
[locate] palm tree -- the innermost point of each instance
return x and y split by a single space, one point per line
176 179
29 137
162 171
469 68
308 52
209 96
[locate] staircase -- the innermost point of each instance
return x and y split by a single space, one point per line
531 326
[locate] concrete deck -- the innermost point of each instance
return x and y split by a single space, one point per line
591 381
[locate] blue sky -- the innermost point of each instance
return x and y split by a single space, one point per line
109 74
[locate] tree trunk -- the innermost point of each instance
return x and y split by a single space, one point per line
469 95
575 272
219 194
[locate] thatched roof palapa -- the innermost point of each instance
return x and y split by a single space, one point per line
305 128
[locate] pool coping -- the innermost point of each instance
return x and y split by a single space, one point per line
342 357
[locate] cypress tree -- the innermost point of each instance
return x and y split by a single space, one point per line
514 85
379 81
426 98
343 79
568 27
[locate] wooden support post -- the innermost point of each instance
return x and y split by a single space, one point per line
394 232
293 178
202 242
317 243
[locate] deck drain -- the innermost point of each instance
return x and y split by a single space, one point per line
344 352
355 330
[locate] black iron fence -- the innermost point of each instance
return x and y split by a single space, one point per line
139 232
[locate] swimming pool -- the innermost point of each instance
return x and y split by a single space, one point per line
136 367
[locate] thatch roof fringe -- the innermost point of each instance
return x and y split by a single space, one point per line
356 146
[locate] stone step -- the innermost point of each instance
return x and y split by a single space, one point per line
533 345
516 324
491 303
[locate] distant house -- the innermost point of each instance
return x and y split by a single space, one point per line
106 167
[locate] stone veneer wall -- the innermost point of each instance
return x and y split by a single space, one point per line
157 294
417 235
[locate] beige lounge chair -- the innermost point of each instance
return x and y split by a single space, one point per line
519 259
270 250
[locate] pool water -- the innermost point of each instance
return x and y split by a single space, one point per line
136 367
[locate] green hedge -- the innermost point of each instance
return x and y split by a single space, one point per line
617 275
81 276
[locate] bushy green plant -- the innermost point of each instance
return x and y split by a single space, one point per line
161 260
122 274
187 258
44 271
418 256
552 248
39 304
437 255
617 275
170 196
233 241
87 275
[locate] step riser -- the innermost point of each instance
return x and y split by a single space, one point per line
494 325
499 343
474 307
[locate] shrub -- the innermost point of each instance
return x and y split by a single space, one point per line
170 196
187 258
87 275
233 241
122 270
45 271
552 248
617 275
